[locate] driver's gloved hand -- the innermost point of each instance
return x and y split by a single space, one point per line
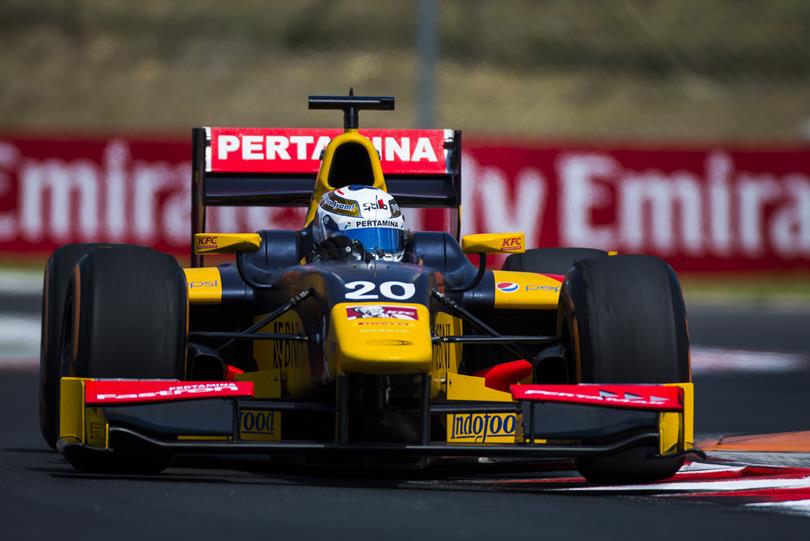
337 248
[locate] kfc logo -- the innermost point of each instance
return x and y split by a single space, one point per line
512 244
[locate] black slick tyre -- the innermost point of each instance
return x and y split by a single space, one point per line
129 316
58 272
625 322
125 317
549 260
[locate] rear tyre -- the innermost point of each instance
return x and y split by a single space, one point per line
549 260
58 273
125 317
625 320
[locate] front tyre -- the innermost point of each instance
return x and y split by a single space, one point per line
125 317
58 274
625 321
129 317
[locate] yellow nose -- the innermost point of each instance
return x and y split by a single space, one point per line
379 338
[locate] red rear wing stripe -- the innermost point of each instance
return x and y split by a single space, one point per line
642 397
298 150
113 392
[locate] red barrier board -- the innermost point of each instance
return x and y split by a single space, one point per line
702 209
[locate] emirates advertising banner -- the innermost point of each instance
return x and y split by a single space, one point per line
704 208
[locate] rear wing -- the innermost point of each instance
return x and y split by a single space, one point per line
278 166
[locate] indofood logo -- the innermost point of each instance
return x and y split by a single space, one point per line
482 427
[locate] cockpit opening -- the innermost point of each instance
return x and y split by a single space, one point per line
351 165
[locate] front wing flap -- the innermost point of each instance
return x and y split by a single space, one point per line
561 421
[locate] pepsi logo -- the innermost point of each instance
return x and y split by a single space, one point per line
507 287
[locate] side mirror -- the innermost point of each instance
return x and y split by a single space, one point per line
489 243
494 243
226 243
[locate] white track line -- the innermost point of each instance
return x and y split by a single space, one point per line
698 486
19 340
21 283
23 329
799 507
716 360
704 467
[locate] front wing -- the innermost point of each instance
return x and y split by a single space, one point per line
101 418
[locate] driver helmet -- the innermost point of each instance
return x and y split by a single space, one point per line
362 213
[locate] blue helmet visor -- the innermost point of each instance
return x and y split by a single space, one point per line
374 239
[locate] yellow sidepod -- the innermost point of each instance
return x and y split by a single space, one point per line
283 364
204 285
446 356
383 339
525 290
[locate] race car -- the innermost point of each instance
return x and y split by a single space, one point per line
323 344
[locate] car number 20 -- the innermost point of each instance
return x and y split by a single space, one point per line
362 290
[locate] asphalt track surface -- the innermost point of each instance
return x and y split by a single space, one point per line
42 496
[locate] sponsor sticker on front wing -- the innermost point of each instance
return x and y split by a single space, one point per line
258 425
481 428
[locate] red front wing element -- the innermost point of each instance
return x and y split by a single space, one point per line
501 376
641 397
116 392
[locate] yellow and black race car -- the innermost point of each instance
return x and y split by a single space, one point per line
291 350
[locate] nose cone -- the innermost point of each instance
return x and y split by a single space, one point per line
379 338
